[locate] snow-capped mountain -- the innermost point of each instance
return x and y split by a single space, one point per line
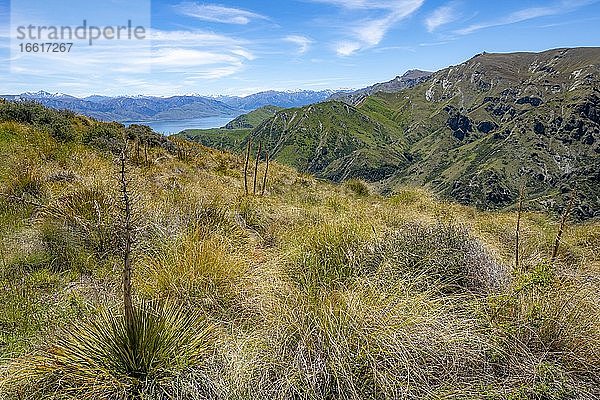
150 108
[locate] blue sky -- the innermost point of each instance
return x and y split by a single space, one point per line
242 47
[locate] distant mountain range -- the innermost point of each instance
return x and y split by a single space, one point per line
148 108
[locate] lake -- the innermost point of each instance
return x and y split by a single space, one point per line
168 127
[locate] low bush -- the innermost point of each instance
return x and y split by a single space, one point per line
438 254
357 186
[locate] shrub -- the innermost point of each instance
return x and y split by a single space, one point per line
105 136
60 124
441 253
104 358
357 186
62 130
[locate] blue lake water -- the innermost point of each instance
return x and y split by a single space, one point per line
171 127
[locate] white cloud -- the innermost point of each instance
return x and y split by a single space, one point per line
345 49
194 38
372 32
441 16
527 14
217 13
366 4
302 42
190 58
169 62
369 32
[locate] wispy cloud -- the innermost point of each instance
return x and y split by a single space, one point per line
193 38
302 42
347 48
217 13
526 14
441 16
364 4
191 58
177 61
369 32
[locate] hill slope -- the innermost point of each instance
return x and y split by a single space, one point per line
334 140
312 291
473 132
231 136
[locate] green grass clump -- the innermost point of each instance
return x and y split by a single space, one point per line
329 256
25 184
80 226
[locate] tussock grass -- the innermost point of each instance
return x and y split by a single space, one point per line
328 255
310 292
440 255
365 343
196 270
358 187
80 225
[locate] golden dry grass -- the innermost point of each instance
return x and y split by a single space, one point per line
314 291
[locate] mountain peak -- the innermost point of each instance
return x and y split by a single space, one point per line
409 79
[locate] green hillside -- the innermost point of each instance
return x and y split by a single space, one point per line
231 136
473 132
334 140
254 118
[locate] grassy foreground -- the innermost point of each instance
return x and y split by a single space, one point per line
313 291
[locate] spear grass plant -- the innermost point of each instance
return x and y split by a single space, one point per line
106 358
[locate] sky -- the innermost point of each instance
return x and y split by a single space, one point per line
243 47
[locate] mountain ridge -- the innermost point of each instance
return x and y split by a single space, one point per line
409 79
151 108
466 131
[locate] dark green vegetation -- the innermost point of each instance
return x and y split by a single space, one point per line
231 136
473 132
254 118
312 291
